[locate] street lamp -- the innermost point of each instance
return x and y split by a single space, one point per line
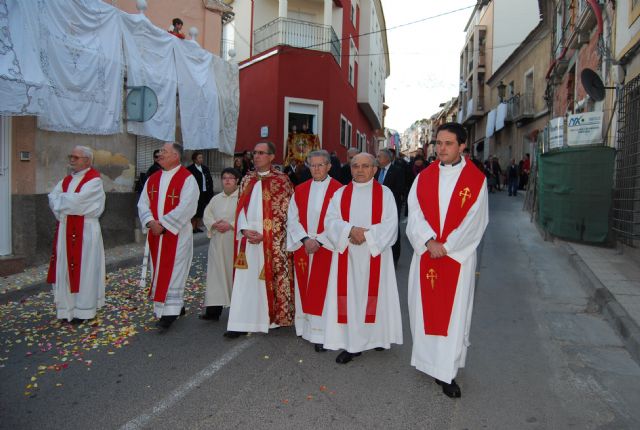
501 89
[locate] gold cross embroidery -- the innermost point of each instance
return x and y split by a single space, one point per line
302 264
465 194
172 196
432 276
153 191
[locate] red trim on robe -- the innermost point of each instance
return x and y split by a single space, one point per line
313 281
374 262
439 276
74 231
164 267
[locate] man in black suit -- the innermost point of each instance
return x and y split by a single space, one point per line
205 185
345 170
393 177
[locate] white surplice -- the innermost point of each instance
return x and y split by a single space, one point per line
221 207
310 327
89 202
442 356
178 221
356 335
249 310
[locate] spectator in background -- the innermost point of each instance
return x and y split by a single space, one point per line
205 185
176 28
512 178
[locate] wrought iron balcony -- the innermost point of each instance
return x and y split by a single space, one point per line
296 33
520 107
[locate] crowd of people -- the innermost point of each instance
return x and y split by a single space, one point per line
320 256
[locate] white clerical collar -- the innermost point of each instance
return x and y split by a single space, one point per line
264 173
199 167
81 172
458 165
322 181
363 184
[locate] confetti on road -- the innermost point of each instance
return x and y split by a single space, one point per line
29 327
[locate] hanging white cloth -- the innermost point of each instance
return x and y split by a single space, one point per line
81 58
21 78
228 82
199 108
150 62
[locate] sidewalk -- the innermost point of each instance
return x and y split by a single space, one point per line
612 279
34 279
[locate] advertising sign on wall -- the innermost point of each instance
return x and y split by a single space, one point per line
556 133
584 129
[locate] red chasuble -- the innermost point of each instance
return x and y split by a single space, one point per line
313 281
374 262
276 193
75 230
439 276
164 267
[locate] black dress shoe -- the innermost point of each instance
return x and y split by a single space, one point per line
211 313
164 323
319 348
76 321
183 312
234 334
452 390
345 356
379 348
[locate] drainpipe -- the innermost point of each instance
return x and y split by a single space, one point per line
251 31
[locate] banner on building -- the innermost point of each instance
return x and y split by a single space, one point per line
556 133
584 129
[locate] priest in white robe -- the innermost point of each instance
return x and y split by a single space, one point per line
312 259
263 291
219 220
362 307
444 228
77 267
168 201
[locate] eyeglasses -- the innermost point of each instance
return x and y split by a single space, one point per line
74 157
261 153
317 166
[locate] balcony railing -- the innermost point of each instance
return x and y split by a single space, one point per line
296 33
520 107
226 45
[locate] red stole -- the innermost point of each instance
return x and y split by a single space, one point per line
439 276
313 281
74 237
374 262
267 234
164 267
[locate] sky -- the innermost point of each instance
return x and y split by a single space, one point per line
424 57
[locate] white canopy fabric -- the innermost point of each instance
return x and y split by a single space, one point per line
21 78
491 123
228 82
65 62
199 109
148 52
82 63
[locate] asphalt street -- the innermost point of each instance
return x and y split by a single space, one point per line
540 358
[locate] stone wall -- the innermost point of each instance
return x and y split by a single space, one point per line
34 224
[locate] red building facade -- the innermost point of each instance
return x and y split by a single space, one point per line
311 84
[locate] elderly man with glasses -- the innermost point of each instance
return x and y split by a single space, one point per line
263 295
312 259
77 269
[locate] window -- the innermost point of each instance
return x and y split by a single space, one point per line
352 16
352 62
345 132
348 139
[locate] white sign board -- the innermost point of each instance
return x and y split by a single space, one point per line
556 133
584 129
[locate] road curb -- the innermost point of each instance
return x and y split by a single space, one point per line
601 300
41 284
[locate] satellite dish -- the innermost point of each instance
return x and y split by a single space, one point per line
142 104
592 84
